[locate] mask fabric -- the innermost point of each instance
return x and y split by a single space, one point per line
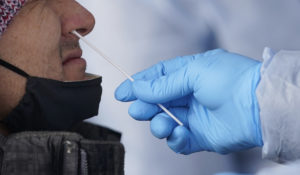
53 105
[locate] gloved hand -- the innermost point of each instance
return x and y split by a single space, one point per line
212 93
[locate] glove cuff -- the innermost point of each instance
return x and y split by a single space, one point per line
256 81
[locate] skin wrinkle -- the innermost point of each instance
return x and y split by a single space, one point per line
37 41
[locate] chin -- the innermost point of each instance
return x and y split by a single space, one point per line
75 70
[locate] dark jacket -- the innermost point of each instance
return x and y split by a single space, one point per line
86 150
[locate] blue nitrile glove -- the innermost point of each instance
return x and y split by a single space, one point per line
212 93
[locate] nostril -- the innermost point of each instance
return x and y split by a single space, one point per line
82 31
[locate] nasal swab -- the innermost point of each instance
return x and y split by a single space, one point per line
122 71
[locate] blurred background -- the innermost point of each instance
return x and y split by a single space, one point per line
139 33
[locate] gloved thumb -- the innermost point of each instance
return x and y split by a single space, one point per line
165 88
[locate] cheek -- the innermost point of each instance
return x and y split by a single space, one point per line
46 44
32 41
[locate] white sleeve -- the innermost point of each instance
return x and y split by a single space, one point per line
278 95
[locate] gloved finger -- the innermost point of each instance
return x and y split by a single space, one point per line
183 141
166 88
162 124
178 141
124 90
142 111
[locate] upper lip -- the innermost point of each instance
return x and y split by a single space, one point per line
74 54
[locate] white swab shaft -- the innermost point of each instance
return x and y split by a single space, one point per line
123 72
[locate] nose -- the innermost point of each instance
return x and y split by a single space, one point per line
76 17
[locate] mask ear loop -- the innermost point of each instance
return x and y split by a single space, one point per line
13 68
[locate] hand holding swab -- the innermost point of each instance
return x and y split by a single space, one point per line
123 72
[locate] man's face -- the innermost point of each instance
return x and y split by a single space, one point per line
39 41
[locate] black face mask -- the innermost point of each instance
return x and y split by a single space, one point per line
51 104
